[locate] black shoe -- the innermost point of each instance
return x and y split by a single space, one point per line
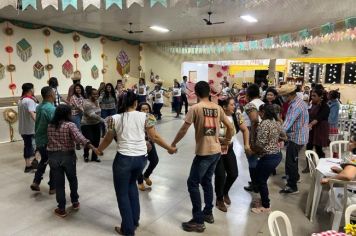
209 218
289 190
86 159
34 164
251 188
28 169
192 226
96 160
284 177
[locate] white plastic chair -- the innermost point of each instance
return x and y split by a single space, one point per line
341 147
311 162
338 213
274 229
313 155
348 213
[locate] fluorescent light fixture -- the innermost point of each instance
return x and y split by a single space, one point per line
159 29
249 18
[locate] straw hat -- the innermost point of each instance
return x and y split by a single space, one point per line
77 75
286 89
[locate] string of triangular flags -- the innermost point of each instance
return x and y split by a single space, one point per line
24 4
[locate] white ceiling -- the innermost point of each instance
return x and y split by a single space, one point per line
185 19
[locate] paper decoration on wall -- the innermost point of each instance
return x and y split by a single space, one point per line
5 3
9 31
130 2
87 3
67 69
123 63
2 71
58 49
26 3
109 3
67 3
38 70
86 52
46 3
24 50
95 72
162 2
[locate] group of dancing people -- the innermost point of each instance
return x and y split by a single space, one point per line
59 126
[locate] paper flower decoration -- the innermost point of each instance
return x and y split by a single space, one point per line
103 71
219 74
76 38
12 86
46 32
9 31
103 40
11 68
49 67
76 55
9 49
47 51
350 229
210 65
224 68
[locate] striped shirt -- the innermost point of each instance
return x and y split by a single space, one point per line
296 122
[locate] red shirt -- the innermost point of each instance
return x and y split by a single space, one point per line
65 137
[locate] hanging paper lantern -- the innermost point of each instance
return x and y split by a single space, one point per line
225 68
46 32
86 52
9 31
24 50
11 68
9 49
67 69
102 40
76 38
58 49
12 86
38 70
49 67
210 65
47 51
2 71
95 72
76 55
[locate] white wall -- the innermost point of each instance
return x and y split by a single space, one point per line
200 68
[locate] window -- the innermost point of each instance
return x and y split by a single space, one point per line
350 73
315 71
333 73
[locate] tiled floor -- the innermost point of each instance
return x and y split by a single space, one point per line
163 208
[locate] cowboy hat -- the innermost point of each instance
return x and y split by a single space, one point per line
286 89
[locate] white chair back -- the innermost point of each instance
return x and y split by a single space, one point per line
311 163
313 155
273 224
348 213
341 146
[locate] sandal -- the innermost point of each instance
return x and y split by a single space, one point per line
259 210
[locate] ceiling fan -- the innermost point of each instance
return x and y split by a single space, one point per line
130 31
208 21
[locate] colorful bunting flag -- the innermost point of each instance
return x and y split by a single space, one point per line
109 3
87 3
67 3
162 2
26 3
285 38
350 23
5 3
130 2
328 28
47 3
303 34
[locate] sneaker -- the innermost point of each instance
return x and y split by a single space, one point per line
60 212
28 169
227 200
289 190
148 181
141 187
35 187
86 159
34 163
76 206
221 206
251 188
96 160
52 191
259 210
209 218
192 226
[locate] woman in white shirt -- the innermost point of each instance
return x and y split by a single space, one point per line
177 96
142 90
129 127
158 101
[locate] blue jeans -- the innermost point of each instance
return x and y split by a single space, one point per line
141 98
201 172
152 157
252 164
77 119
126 169
265 167
28 150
